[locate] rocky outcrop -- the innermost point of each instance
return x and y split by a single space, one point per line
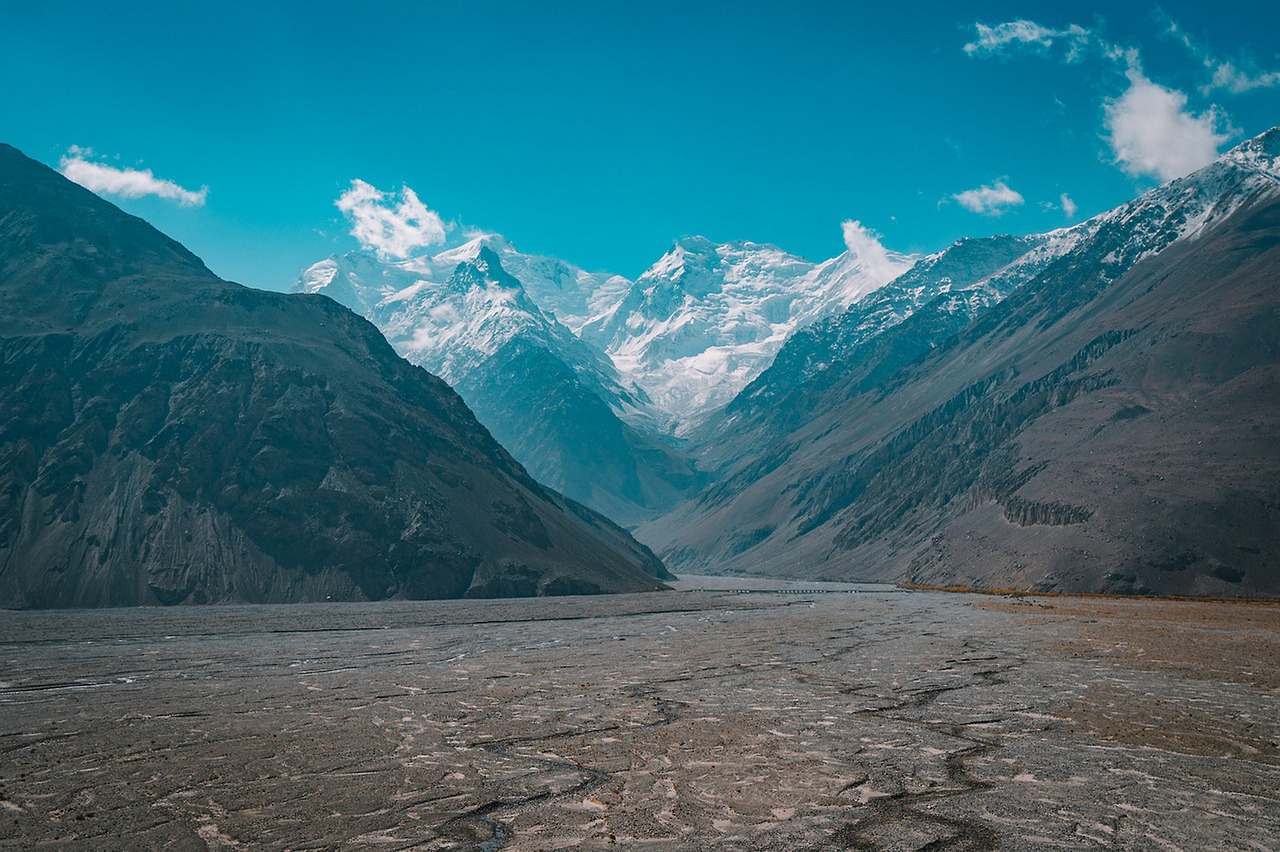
167 437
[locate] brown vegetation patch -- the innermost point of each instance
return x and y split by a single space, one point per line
1121 715
1225 641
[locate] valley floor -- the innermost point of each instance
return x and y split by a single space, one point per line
846 717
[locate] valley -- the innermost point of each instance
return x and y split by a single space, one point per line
1091 409
516 427
797 716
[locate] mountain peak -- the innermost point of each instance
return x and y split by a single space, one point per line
483 239
58 231
695 243
486 272
488 258
1262 152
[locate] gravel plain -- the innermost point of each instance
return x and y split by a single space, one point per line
728 714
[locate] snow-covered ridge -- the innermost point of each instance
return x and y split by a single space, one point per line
570 294
1178 210
707 318
1261 154
974 274
453 311
1186 207
675 344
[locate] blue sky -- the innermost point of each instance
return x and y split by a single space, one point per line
601 132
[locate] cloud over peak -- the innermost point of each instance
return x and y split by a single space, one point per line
126 183
1152 134
391 229
992 200
877 265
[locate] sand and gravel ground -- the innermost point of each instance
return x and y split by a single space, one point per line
782 718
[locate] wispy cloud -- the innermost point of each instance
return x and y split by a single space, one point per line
876 263
1069 207
1153 134
1027 35
126 183
1223 74
1227 76
391 229
991 200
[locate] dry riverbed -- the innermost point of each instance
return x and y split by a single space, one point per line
780 719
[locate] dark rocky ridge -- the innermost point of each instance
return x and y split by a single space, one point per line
1094 431
168 437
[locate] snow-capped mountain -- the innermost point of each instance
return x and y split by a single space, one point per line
708 318
973 273
631 364
1090 409
569 294
451 312
968 278
556 402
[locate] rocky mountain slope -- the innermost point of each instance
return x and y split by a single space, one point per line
888 328
1110 425
168 437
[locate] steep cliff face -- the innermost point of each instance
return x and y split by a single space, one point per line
1109 426
168 437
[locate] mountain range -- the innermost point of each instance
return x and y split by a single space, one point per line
556 401
1092 409
1096 409
169 437
589 379
883 416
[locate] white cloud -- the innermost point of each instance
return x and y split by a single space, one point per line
876 263
126 183
991 200
392 230
1153 134
1024 35
1068 206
